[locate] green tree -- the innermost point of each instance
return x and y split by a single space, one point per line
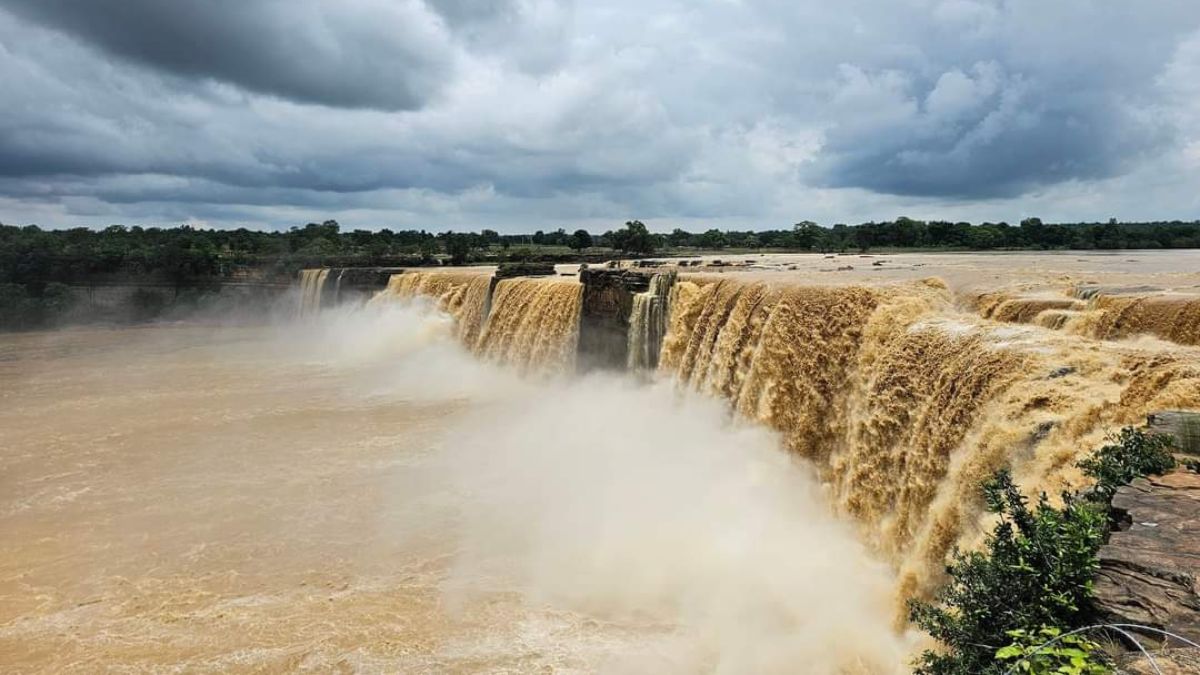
714 239
679 238
319 246
807 235
633 238
580 239
909 232
985 237
15 307
864 236
489 237
458 247
1128 455
1049 651
1033 231
428 247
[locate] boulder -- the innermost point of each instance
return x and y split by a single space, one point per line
604 316
1149 567
1184 425
1166 662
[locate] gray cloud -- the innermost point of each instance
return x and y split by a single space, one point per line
969 99
983 133
354 53
543 112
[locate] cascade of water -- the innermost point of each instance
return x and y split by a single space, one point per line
1171 318
337 287
904 406
1092 313
902 403
312 283
463 295
533 324
648 322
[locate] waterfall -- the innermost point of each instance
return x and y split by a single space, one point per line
1091 313
534 324
1171 318
530 323
462 295
312 284
904 405
648 322
337 287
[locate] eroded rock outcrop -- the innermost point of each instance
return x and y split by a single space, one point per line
1182 425
608 297
1148 571
1166 662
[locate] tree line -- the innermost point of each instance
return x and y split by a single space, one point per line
37 265
34 256
907 233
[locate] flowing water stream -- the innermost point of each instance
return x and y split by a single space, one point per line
357 492
425 484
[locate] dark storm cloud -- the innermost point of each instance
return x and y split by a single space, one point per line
354 53
994 139
996 99
467 111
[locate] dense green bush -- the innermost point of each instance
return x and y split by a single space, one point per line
23 308
1034 572
1049 651
14 306
1131 453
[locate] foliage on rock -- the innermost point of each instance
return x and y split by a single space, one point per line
1132 453
1034 572
1051 652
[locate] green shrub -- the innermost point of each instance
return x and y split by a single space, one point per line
1132 453
1034 573
1035 570
1049 652
56 300
519 254
23 308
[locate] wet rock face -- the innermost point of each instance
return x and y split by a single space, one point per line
1168 662
1148 571
604 319
353 284
372 278
1184 425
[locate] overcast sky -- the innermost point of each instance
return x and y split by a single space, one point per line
527 114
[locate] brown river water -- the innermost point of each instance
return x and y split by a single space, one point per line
417 485
357 493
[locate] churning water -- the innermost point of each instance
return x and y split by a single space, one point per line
356 491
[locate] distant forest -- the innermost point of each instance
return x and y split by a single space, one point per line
38 266
34 256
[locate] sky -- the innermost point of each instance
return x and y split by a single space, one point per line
537 114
